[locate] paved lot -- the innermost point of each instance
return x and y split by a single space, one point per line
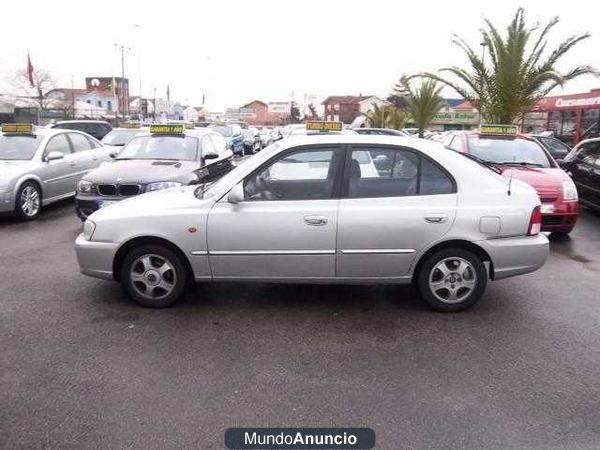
81 366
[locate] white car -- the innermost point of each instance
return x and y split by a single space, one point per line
306 210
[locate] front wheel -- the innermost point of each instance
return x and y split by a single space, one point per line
154 276
452 279
28 202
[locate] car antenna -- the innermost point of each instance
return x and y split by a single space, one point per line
511 175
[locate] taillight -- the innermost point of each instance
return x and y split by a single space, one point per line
535 223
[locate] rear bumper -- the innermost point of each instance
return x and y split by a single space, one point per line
516 255
95 258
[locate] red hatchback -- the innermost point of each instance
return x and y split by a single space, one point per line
524 159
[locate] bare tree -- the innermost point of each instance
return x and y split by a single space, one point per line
35 93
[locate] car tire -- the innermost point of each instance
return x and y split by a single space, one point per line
154 276
452 279
561 234
28 201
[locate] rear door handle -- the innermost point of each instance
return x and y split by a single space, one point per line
436 218
315 220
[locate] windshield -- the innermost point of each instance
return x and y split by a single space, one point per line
161 147
18 147
224 130
120 137
508 151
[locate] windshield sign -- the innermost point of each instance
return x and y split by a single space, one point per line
508 151
161 147
19 147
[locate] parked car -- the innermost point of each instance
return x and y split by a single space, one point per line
557 148
583 164
118 137
429 216
252 142
95 128
381 131
166 156
43 166
233 136
520 156
267 136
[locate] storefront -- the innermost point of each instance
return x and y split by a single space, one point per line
572 117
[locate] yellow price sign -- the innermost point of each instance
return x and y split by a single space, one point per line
166 129
130 125
189 126
17 128
320 125
511 130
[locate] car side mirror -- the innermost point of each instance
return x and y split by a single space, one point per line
53 156
236 195
211 155
113 154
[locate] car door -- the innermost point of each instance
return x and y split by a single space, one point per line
586 171
286 226
395 203
58 175
83 153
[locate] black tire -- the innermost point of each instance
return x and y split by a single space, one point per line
19 211
476 275
157 296
560 234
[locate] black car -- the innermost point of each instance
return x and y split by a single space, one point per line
96 128
557 148
583 164
381 131
165 157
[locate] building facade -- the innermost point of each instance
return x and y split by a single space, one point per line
346 108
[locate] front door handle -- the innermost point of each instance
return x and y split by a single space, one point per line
315 220
436 218
72 163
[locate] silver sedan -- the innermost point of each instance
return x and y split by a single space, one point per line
326 209
41 166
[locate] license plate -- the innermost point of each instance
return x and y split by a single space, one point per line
547 209
105 203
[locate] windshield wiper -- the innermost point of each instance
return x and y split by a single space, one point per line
483 162
520 163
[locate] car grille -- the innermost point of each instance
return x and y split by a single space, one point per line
551 220
107 189
122 190
127 190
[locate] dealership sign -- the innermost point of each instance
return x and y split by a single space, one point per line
456 117
576 102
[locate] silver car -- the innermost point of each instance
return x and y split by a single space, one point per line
40 166
326 209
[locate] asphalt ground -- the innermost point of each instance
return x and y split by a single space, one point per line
81 366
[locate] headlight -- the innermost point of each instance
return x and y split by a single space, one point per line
569 190
85 187
88 229
162 185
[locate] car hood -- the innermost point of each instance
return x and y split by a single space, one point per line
141 171
9 169
536 176
153 203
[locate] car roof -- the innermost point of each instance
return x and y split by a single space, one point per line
81 121
355 138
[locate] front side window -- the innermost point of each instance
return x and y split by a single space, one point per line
589 153
58 143
183 148
557 148
380 172
299 175
80 142
508 151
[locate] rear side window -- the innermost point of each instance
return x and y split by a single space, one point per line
380 172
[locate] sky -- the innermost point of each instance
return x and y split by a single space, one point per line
235 51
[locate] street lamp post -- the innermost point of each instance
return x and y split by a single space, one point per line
483 46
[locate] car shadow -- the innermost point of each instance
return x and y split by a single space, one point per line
50 212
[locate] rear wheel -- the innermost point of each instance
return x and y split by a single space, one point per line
452 279
28 202
154 276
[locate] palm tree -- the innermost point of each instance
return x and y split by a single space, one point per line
518 74
423 102
378 117
397 118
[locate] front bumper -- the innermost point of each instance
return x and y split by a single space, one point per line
516 255
95 258
562 218
85 205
